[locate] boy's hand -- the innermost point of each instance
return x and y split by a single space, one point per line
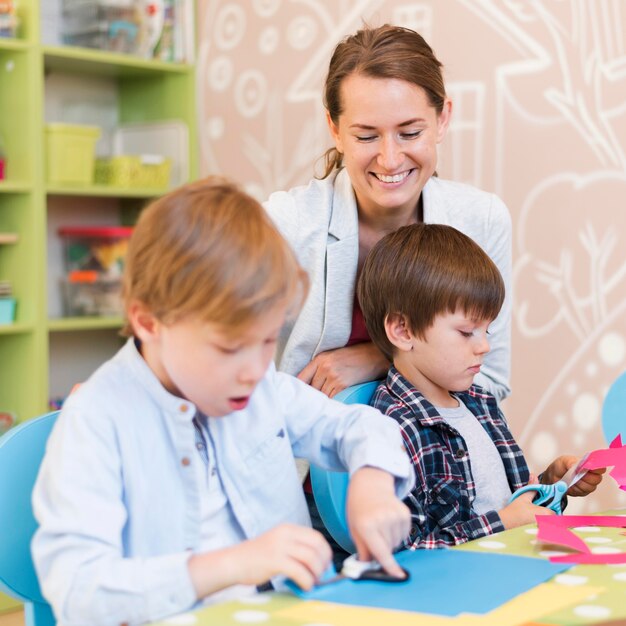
334 370
522 511
378 520
559 467
297 552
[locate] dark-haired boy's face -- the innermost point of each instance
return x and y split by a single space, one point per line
448 357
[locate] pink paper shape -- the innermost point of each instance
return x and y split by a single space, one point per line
613 456
556 529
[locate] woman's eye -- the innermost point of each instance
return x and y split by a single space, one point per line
365 138
413 135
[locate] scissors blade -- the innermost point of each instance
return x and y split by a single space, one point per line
575 473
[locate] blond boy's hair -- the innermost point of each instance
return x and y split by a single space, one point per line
422 271
209 250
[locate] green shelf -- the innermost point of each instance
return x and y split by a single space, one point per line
14 186
83 60
103 191
69 324
16 328
8 43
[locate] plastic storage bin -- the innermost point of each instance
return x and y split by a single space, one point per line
94 259
113 25
147 171
71 151
7 310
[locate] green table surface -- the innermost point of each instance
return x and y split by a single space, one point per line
607 606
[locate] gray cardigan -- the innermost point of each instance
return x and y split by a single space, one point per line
320 221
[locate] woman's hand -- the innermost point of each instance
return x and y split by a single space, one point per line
334 370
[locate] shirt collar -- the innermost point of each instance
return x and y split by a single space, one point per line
173 405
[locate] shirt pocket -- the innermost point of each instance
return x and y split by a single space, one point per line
270 458
447 496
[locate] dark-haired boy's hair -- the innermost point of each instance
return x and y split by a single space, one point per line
424 270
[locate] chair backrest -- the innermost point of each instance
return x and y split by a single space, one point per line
21 452
613 409
330 488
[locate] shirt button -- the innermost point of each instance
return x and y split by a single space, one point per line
460 453
200 446
183 408
185 461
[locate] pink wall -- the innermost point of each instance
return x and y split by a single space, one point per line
539 90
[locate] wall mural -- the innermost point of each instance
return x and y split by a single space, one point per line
539 93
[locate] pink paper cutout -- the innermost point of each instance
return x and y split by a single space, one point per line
556 530
613 456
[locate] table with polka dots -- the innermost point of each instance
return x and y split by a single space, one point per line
606 607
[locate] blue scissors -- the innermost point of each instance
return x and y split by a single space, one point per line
551 496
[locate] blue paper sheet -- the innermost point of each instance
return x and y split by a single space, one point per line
444 582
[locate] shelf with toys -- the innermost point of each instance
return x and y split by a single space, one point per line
131 110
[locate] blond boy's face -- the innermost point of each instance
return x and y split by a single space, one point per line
447 358
197 361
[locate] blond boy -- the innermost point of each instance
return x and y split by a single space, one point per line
170 474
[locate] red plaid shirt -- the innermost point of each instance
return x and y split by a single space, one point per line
441 502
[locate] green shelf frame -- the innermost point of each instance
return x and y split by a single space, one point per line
147 91
102 191
69 324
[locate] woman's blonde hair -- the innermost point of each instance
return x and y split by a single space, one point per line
387 52
209 250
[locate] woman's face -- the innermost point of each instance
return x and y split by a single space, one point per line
388 134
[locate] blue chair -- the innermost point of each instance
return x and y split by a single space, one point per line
614 410
330 488
21 452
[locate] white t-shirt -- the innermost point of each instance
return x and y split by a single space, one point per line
492 486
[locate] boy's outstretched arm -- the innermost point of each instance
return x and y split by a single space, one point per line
378 520
297 552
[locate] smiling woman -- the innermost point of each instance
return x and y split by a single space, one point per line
387 110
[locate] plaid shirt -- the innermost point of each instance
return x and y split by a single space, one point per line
441 502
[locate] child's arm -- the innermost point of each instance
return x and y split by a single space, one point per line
299 553
378 520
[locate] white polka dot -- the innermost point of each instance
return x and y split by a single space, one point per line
589 610
531 531
266 8
606 550
571 389
586 411
492 545
268 40
548 553
182 620
317 624
215 127
598 540
230 26
611 348
220 73
301 32
255 598
570 579
620 576
587 529
250 93
560 420
251 617
591 369
543 449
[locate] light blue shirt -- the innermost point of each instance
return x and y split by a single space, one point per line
118 496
